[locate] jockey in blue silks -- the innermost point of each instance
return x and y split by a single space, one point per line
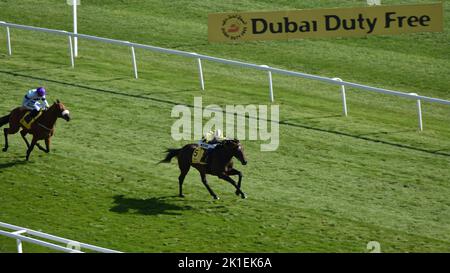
35 100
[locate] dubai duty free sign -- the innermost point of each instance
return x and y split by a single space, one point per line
316 23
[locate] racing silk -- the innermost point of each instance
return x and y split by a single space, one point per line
207 145
211 139
32 101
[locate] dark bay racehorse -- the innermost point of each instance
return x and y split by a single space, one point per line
42 129
219 164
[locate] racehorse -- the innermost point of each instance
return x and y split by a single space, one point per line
219 164
42 129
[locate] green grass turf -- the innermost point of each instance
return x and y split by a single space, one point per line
333 185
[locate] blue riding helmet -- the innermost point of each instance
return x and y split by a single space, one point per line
41 91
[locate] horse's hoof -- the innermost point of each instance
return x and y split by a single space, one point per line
5 149
181 195
244 196
216 197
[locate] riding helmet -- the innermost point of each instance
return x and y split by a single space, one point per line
41 91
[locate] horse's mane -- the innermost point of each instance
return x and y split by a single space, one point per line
222 143
232 140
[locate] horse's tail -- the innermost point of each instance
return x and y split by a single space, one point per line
4 120
170 154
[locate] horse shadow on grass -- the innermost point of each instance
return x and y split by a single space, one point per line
12 164
149 206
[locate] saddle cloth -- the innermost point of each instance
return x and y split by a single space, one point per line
198 156
24 122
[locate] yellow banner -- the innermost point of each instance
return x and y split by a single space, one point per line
312 23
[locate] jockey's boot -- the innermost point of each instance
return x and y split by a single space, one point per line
31 116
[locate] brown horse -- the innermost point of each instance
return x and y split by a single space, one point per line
219 164
42 129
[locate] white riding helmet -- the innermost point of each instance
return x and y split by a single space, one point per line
218 133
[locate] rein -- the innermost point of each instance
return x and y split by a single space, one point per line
46 128
43 126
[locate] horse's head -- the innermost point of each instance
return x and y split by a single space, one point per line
237 149
62 110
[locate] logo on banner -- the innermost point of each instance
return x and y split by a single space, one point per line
234 27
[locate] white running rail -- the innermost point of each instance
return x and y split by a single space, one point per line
199 58
19 233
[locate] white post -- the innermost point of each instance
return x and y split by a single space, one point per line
270 83
271 86
8 39
75 27
200 73
133 55
344 98
19 246
72 61
18 241
419 112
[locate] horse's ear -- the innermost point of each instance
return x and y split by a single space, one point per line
57 101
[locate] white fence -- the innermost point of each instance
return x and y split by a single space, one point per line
19 233
199 58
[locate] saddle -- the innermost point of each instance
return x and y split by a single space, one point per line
26 122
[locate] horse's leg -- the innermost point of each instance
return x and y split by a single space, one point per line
238 173
33 142
47 146
12 130
232 182
180 183
205 182
5 131
184 169
23 133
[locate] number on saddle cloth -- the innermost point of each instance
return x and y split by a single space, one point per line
202 152
198 155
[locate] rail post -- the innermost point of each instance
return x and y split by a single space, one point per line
133 55
419 111
200 71
269 73
72 61
8 41
344 98
18 241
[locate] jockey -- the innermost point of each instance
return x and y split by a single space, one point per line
212 138
35 100
210 141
